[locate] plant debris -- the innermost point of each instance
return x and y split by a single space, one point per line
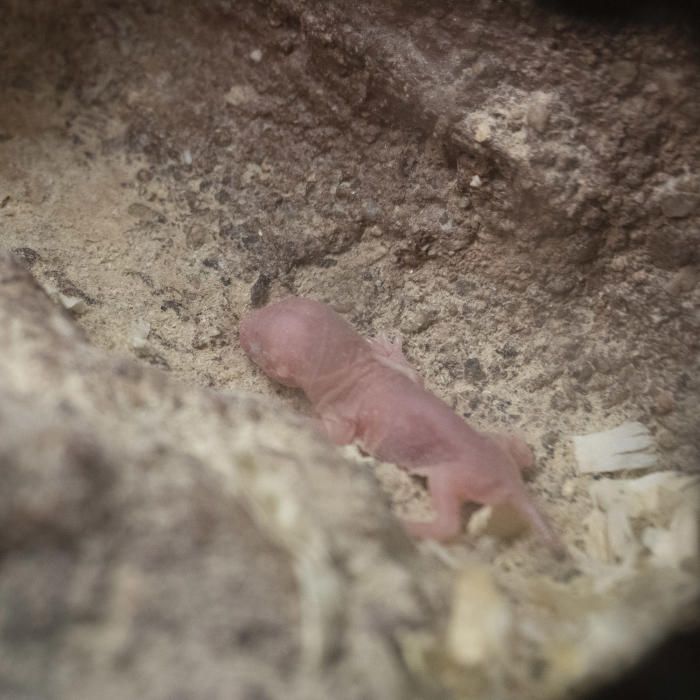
629 446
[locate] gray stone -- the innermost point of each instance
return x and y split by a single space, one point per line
156 536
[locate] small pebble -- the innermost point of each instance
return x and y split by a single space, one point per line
29 256
569 488
639 276
624 73
616 396
560 402
603 364
195 236
682 281
666 440
418 321
618 263
205 337
75 305
260 291
538 114
138 339
561 284
370 211
475 181
256 55
545 379
583 371
343 190
571 350
617 240
145 214
473 370
550 438
482 132
663 403
679 205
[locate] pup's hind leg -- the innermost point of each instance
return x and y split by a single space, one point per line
447 506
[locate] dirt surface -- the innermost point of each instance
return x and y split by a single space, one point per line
529 228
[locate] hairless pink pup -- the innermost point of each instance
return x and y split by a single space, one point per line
365 391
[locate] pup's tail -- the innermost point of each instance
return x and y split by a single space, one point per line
526 506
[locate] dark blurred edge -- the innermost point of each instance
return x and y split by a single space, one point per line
646 11
671 671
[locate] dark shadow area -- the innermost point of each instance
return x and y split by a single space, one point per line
643 11
671 671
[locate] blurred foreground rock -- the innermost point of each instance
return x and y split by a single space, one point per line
161 541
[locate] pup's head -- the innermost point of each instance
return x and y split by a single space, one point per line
280 340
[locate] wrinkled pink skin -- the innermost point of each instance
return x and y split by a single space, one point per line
366 392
